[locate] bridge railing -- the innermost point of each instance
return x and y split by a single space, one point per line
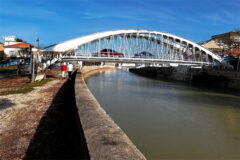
131 60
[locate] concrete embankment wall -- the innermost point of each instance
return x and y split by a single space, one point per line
217 78
105 140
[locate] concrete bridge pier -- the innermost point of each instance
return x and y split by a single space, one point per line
102 64
80 64
119 65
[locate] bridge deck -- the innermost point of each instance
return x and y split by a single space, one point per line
132 60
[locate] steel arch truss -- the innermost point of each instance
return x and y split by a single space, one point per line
163 46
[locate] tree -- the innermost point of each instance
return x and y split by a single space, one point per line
19 40
2 56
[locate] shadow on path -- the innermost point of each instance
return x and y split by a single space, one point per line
59 134
5 103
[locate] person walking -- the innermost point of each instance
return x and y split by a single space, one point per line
70 69
64 69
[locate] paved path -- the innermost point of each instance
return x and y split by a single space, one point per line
59 134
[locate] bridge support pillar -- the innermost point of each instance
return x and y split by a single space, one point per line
80 64
102 64
119 65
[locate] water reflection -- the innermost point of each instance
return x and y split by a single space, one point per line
169 120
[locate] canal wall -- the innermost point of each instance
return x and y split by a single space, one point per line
224 79
105 139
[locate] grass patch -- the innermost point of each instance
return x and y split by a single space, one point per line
38 83
26 88
20 91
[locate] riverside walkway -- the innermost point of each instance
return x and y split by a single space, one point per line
59 134
76 127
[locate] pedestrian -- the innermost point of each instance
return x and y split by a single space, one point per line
70 69
64 69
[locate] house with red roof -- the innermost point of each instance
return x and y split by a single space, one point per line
20 49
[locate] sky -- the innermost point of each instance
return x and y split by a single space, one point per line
54 21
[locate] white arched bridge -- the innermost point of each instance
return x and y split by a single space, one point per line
134 46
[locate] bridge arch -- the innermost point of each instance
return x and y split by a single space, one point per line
164 45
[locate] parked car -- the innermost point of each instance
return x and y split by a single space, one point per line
24 67
110 53
143 54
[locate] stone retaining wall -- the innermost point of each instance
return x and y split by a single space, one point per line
217 78
105 140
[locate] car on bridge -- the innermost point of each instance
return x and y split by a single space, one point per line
108 53
143 54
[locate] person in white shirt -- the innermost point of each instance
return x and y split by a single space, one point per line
70 69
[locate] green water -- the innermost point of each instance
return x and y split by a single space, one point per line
171 120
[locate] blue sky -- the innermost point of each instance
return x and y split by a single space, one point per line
59 20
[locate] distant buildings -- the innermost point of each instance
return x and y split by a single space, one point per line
213 46
225 44
229 39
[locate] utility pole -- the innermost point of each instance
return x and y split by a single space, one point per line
34 60
37 49
37 44
33 64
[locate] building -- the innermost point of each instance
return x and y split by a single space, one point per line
1 51
224 44
9 40
1 47
15 47
231 39
18 50
212 46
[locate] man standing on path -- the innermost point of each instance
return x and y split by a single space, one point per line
70 69
64 69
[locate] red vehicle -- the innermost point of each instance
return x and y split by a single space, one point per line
110 53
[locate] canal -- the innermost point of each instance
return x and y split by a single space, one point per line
171 120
